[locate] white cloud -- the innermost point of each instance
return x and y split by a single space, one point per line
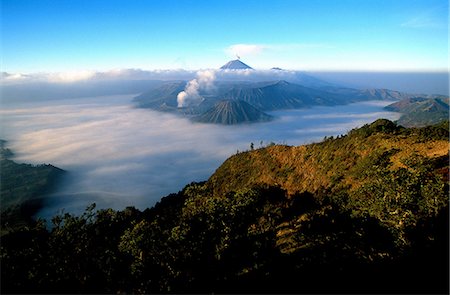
206 78
119 156
13 77
244 50
68 77
86 75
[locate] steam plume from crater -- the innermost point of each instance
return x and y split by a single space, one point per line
190 95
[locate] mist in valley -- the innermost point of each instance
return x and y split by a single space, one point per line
117 155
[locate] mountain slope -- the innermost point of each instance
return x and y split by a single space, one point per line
235 65
330 217
265 96
269 95
22 189
420 111
161 97
230 112
355 95
281 95
326 164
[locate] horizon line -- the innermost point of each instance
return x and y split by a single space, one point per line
330 70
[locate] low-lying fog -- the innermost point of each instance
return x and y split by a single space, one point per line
118 156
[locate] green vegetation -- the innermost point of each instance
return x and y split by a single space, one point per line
22 189
362 213
333 164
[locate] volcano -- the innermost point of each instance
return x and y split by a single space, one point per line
230 112
235 65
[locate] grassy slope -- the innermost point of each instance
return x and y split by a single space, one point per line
367 212
326 165
387 181
371 170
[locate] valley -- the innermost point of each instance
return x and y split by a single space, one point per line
118 155
368 205
224 147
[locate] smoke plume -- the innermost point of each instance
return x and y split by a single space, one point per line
113 161
190 95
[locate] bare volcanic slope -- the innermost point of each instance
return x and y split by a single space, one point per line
282 95
264 96
235 65
230 112
269 95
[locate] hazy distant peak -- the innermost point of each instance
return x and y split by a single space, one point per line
282 82
235 65
9 76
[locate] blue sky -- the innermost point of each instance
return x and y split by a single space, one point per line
370 35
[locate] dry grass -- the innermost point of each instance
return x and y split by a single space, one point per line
316 166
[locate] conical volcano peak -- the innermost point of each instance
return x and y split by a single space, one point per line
282 82
235 65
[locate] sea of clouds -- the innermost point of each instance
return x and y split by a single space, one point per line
116 155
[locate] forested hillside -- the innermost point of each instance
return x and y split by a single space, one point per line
366 212
22 187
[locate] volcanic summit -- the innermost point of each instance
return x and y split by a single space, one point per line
235 65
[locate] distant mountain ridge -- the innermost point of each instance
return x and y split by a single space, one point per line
161 97
281 95
262 96
421 111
